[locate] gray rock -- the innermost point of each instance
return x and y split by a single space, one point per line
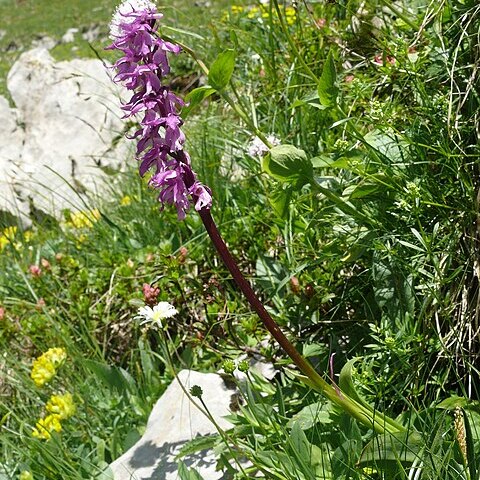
173 421
69 35
66 117
92 33
44 42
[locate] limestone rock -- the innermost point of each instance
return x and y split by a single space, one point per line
61 130
173 421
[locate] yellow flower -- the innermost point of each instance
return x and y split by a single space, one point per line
61 405
44 367
126 200
28 235
10 232
25 475
290 15
56 355
84 219
42 371
7 236
45 426
237 9
253 12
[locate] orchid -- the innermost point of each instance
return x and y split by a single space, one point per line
160 140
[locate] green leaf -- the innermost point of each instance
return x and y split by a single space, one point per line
451 403
115 378
222 69
188 474
327 89
288 164
470 444
279 199
345 382
312 414
195 98
391 453
197 444
363 189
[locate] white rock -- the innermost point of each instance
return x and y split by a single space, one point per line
92 34
66 117
173 421
44 42
69 35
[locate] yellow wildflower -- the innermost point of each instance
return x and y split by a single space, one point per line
45 426
10 232
290 15
61 405
253 12
81 239
237 9
44 367
25 475
56 355
84 219
126 200
28 235
42 371
7 236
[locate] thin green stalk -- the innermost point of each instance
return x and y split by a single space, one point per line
290 41
223 434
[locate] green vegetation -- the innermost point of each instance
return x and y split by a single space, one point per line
362 241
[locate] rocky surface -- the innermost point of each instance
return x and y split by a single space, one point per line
60 131
173 421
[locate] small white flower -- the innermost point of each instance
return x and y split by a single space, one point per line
159 312
121 14
258 149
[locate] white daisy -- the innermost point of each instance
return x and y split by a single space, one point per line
155 315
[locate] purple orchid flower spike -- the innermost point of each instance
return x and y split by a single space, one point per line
160 139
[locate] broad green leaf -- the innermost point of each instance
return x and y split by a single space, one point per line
312 461
392 453
453 402
311 100
288 164
327 88
391 147
222 69
279 199
312 349
106 473
312 414
195 97
269 273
